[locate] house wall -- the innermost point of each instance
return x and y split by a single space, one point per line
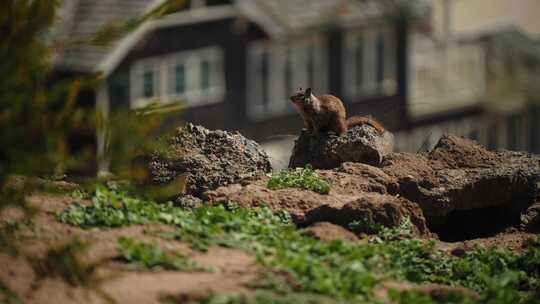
230 35
472 16
471 102
234 36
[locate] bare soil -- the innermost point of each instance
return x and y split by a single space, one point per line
235 268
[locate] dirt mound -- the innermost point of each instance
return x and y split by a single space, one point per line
341 206
361 144
206 159
328 232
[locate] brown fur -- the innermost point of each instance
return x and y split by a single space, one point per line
326 113
358 120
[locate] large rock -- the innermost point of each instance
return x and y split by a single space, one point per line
207 159
459 174
361 144
466 191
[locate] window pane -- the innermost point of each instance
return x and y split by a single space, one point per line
534 129
380 61
513 132
359 69
265 79
180 79
289 86
205 75
311 66
148 84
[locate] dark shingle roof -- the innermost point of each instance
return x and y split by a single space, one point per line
88 17
277 17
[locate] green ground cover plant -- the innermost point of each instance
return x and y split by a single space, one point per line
305 178
334 269
142 256
111 208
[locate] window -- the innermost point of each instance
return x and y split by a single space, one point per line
144 82
195 77
205 75
534 129
275 71
492 137
148 84
198 76
180 79
359 64
513 132
369 63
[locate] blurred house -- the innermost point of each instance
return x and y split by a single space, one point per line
476 74
234 64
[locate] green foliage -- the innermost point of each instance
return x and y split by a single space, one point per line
530 260
298 178
269 298
146 256
417 297
40 114
336 269
79 194
404 230
366 226
115 209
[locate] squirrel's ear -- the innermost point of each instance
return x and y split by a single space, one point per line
307 92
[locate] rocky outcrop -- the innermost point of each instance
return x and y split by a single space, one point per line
341 206
206 159
446 179
361 144
461 189
464 190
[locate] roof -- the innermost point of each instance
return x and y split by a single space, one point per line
87 17
80 19
282 17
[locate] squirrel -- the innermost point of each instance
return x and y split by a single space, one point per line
325 113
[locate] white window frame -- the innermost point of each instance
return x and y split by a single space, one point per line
194 95
136 83
165 82
370 86
278 55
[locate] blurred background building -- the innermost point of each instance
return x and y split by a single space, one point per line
467 67
476 74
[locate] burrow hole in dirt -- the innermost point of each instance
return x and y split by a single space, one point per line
462 225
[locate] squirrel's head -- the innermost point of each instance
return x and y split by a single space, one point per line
302 97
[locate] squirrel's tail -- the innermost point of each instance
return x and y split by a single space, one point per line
362 120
